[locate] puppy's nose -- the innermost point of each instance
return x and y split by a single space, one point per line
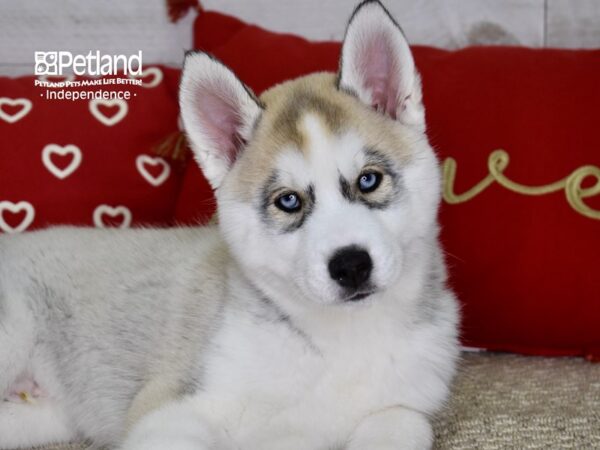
350 267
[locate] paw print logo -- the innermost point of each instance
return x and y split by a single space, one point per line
46 63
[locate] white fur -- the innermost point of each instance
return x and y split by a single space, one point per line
328 229
24 425
236 337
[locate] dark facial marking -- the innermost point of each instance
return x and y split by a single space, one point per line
309 204
346 189
376 158
266 196
273 216
378 162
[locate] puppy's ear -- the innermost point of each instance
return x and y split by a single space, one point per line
377 66
218 114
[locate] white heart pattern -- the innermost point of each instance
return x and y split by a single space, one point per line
107 210
52 149
109 121
155 180
25 104
16 208
155 72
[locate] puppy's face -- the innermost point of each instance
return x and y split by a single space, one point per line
324 182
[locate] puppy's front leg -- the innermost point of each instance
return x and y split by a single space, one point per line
392 429
176 426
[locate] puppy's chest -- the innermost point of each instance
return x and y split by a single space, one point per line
276 377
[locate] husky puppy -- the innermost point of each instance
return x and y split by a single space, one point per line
315 316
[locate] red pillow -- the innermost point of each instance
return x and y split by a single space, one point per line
196 203
87 162
523 252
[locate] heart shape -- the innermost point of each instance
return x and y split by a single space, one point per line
16 208
53 149
24 104
108 120
143 161
154 72
105 210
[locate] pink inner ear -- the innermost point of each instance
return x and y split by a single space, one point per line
377 61
220 119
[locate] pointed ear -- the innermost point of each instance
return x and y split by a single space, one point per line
218 114
377 65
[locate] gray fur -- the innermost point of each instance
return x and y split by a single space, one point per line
113 317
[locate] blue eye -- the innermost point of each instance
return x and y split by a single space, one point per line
289 202
369 181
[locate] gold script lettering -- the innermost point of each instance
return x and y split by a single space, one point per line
498 161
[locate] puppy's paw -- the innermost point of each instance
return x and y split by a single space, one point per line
393 429
176 426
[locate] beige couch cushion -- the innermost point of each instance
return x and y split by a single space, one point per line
504 401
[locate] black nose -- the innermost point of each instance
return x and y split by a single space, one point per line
350 267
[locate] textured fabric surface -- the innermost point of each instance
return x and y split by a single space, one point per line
503 401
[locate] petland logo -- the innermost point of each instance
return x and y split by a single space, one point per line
58 63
